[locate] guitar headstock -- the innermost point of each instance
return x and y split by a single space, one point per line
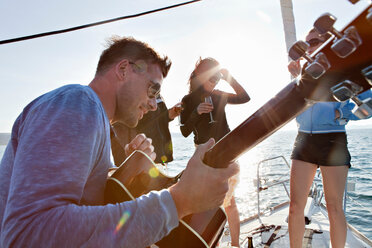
342 60
345 56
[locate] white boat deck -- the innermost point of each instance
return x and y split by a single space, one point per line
316 233
270 228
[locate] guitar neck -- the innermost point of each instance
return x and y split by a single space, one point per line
286 105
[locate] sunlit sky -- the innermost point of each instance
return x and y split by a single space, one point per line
247 38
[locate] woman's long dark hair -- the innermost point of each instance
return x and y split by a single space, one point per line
193 82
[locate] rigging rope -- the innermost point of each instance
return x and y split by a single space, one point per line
92 24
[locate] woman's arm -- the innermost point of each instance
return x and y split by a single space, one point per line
188 121
241 95
189 116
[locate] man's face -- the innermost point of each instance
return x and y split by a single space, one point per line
135 96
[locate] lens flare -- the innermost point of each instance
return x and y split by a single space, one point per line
122 221
154 172
164 159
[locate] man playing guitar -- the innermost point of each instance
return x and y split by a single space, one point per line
54 170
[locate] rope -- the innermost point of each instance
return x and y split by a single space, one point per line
91 24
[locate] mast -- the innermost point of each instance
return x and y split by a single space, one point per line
288 23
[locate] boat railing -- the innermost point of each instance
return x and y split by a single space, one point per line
273 183
350 187
316 193
316 190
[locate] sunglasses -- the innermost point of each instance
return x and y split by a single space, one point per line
153 90
215 78
314 42
140 66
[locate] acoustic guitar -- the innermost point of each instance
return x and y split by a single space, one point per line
139 175
342 57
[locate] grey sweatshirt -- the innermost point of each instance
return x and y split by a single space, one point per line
52 179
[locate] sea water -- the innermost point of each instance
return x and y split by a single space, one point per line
359 203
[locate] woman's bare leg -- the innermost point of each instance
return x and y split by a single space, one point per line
334 180
234 222
302 175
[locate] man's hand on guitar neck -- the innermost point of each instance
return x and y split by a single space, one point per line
201 187
142 143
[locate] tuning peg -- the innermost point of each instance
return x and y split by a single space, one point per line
324 24
316 67
298 50
344 44
345 90
364 109
349 90
367 73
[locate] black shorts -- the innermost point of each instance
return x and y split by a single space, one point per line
326 149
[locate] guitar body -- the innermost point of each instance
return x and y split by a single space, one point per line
137 176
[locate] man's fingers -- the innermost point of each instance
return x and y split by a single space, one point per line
140 142
230 171
129 148
203 148
137 141
150 152
145 144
